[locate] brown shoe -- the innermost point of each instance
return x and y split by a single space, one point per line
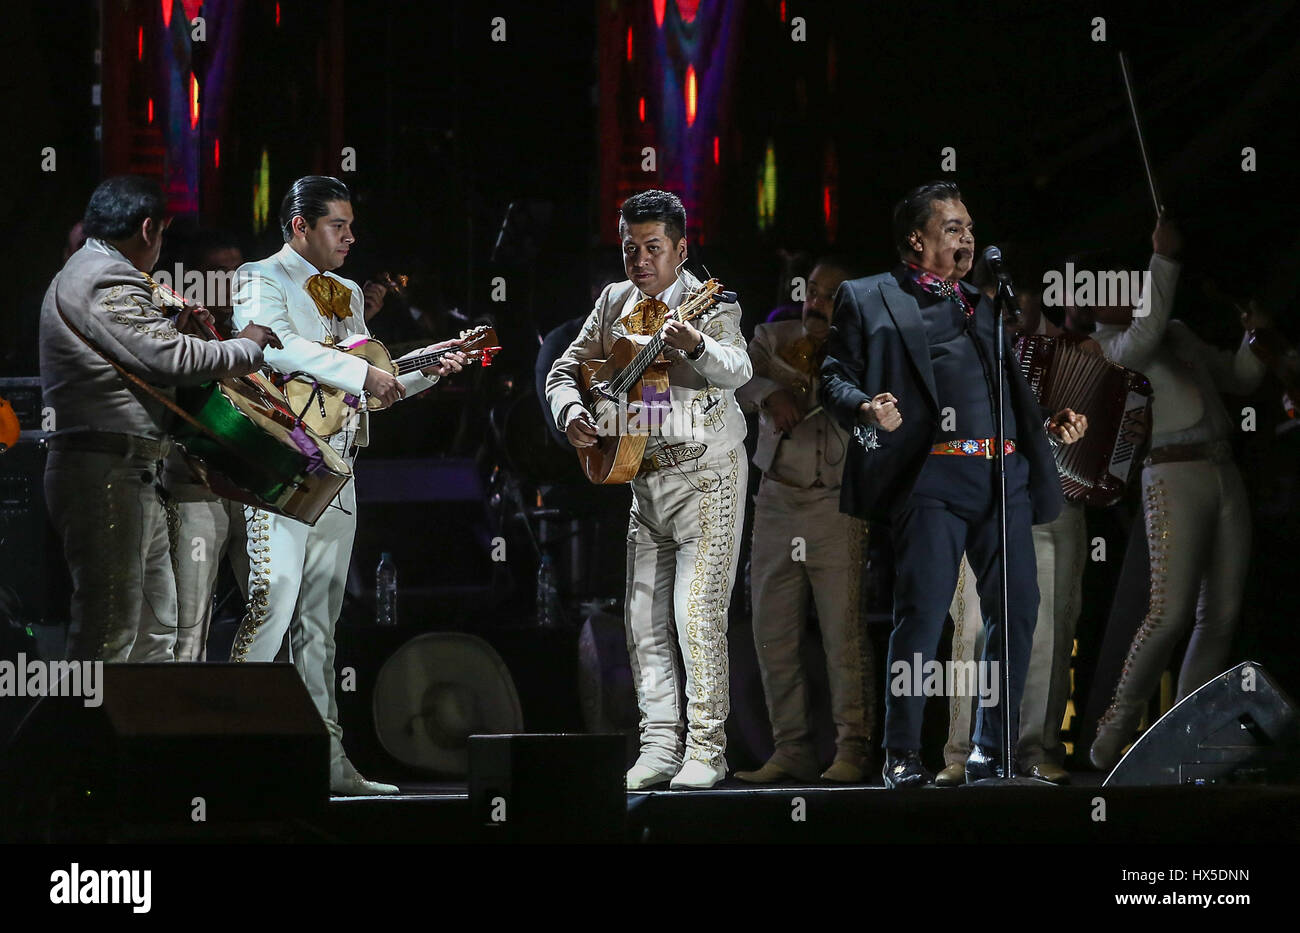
1051 772
770 773
844 772
953 775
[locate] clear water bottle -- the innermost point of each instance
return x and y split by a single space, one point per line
386 591
548 597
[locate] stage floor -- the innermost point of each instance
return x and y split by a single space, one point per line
735 813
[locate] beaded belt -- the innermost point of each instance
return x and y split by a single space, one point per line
672 455
986 447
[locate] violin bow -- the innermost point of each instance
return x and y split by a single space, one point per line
1137 126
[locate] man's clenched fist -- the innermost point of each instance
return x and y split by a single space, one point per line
882 410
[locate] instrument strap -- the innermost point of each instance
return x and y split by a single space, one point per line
147 388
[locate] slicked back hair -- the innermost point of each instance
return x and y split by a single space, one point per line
913 212
308 198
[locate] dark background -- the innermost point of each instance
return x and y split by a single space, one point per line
451 128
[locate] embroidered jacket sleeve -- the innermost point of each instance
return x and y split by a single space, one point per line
562 381
123 320
725 362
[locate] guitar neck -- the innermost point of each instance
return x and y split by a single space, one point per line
425 360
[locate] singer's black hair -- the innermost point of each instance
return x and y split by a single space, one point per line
913 212
654 205
307 198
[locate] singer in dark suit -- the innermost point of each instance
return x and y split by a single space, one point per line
910 370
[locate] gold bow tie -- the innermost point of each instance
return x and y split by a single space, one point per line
332 297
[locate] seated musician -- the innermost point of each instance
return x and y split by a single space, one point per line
1059 549
910 369
102 479
1197 515
687 499
298 571
802 542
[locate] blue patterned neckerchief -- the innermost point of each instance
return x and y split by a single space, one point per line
941 288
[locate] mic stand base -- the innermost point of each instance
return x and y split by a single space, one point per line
1010 782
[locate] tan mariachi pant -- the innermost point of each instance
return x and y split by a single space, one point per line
1198 537
297 577
109 513
1060 548
803 541
204 529
683 543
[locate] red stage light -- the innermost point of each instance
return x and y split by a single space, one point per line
641 108
659 12
150 109
216 153
167 12
715 150
629 43
139 45
783 11
690 95
277 15
688 9
194 101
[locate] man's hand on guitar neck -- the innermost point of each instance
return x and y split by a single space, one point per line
580 429
384 386
450 363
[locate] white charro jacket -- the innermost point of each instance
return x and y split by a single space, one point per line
273 292
702 392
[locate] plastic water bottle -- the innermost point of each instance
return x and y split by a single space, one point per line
548 598
386 591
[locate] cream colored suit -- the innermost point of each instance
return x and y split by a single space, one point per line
297 573
803 541
684 532
106 504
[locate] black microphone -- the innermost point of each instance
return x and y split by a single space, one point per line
993 259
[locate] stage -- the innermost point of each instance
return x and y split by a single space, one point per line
733 813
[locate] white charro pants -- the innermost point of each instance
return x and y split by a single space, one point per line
1198 537
683 544
296 580
1060 548
829 563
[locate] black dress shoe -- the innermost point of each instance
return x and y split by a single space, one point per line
983 764
903 769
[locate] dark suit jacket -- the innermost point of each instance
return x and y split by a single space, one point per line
878 344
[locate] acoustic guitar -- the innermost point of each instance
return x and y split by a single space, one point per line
327 409
628 392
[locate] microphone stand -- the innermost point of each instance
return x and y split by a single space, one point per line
1005 307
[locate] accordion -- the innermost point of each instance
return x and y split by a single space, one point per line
1117 403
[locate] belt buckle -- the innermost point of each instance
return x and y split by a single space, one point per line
990 452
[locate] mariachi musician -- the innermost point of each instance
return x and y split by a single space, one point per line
1196 510
298 572
802 542
102 480
687 497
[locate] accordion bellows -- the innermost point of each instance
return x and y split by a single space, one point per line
1117 402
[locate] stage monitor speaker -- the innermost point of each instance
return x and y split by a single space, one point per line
548 788
168 744
1239 728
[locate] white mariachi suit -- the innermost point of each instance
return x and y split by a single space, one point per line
297 571
799 500
684 532
1197 514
